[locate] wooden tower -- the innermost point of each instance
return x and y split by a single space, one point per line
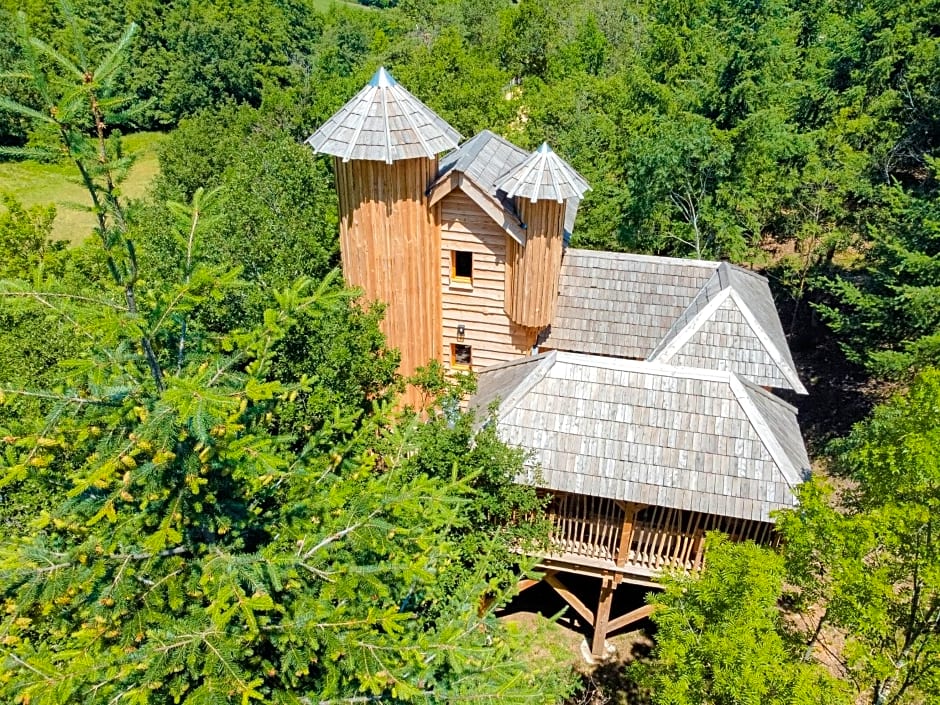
541 186
385 144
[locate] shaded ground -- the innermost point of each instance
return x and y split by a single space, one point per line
609 682
841 393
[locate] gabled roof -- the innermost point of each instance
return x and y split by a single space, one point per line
692 439
690 313
473 168
732 324
543 176
384 122
483 159
476 166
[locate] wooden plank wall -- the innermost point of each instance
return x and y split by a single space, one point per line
532 271
390 241
493 337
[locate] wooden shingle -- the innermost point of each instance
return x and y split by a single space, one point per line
543 176
656 444
385 123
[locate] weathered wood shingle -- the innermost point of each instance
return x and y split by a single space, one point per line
684 312
620 304
637 431
384 122
543 176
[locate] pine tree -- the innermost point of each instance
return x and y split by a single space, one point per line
195 553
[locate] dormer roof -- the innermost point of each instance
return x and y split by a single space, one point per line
386 123
543 176
473 168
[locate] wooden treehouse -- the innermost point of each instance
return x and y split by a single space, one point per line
640 385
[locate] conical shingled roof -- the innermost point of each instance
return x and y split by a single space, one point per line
385 123
543 176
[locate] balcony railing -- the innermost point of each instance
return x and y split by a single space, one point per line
622 537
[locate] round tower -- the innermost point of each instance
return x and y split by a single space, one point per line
385 144
542 185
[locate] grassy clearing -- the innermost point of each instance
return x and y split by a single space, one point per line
326 5
33 183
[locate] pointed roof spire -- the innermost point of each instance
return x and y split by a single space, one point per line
543 176
384 122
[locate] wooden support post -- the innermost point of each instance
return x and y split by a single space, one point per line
626 533
699 549
602 617
570 598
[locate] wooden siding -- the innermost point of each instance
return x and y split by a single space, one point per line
390 241
479 306
532 271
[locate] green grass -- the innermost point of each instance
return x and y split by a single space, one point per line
33 183
325 5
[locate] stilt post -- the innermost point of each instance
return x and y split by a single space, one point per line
603 617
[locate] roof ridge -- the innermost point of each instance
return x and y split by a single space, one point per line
791 474
644 366
530 380
608 254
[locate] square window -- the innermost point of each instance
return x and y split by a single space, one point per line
461 267
460 356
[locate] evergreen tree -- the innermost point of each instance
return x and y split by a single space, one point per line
198 548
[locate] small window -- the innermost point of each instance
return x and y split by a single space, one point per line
462 267
460 356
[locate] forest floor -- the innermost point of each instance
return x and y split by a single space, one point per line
34 183
541 612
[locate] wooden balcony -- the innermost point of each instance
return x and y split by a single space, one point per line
598 536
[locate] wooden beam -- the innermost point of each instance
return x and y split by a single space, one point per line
570 598
526 583
443 187
630 617
601 621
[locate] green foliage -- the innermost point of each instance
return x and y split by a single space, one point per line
888 312
868 565
24 238
719 636
274 215
227 514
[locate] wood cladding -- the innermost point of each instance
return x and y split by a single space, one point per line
390 241
478 305
532 271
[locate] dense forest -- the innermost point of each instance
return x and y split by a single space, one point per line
207 492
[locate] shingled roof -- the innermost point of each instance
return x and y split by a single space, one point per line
618 304
692 439
543 176
384 122
483 159
690 313
473 168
